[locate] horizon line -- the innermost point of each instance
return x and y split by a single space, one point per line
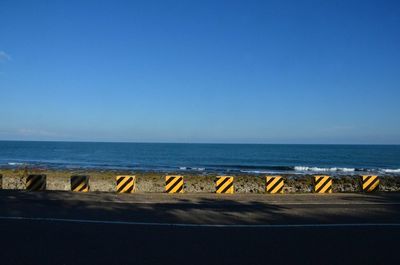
209 143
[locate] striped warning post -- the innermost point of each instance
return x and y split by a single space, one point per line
174 184
274 184
125 184
322 184
224 184
36 182
370 183
80 183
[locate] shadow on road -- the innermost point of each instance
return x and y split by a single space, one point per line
48 242
379 207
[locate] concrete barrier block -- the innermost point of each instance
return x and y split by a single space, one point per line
58 183
200 184
274 184
99 183
36 182
125 184
154 183
225 184
105 181
249 184
174 184
14 182
346 184
369 183
389 183
322 184
80 183
298 184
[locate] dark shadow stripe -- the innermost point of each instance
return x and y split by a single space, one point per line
323 185
222 183
227 188
371 184
275 185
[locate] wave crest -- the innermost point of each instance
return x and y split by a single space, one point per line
15 164
323 169
391 170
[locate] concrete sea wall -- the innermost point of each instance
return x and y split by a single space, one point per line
155 182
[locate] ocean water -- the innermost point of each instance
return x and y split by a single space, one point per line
218 158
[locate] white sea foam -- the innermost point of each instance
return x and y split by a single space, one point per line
255 171
391 170
348 169
324 169
192 168
15 164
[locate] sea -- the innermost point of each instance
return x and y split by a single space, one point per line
205 158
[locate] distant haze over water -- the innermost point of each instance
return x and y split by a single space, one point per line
217 158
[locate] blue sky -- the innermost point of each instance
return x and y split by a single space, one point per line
200 71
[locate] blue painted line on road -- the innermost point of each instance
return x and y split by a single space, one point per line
45 219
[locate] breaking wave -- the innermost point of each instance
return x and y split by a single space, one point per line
323 169
391 170
210 168
15 164
192 168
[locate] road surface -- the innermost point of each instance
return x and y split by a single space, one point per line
105 228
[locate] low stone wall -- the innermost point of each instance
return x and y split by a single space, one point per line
58 182
155 182
13 182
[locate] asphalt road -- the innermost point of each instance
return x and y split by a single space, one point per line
101 228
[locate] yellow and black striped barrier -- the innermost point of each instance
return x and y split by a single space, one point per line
224 184
80 183
174 184
36 182
125 184
370 183
274 184
322 184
